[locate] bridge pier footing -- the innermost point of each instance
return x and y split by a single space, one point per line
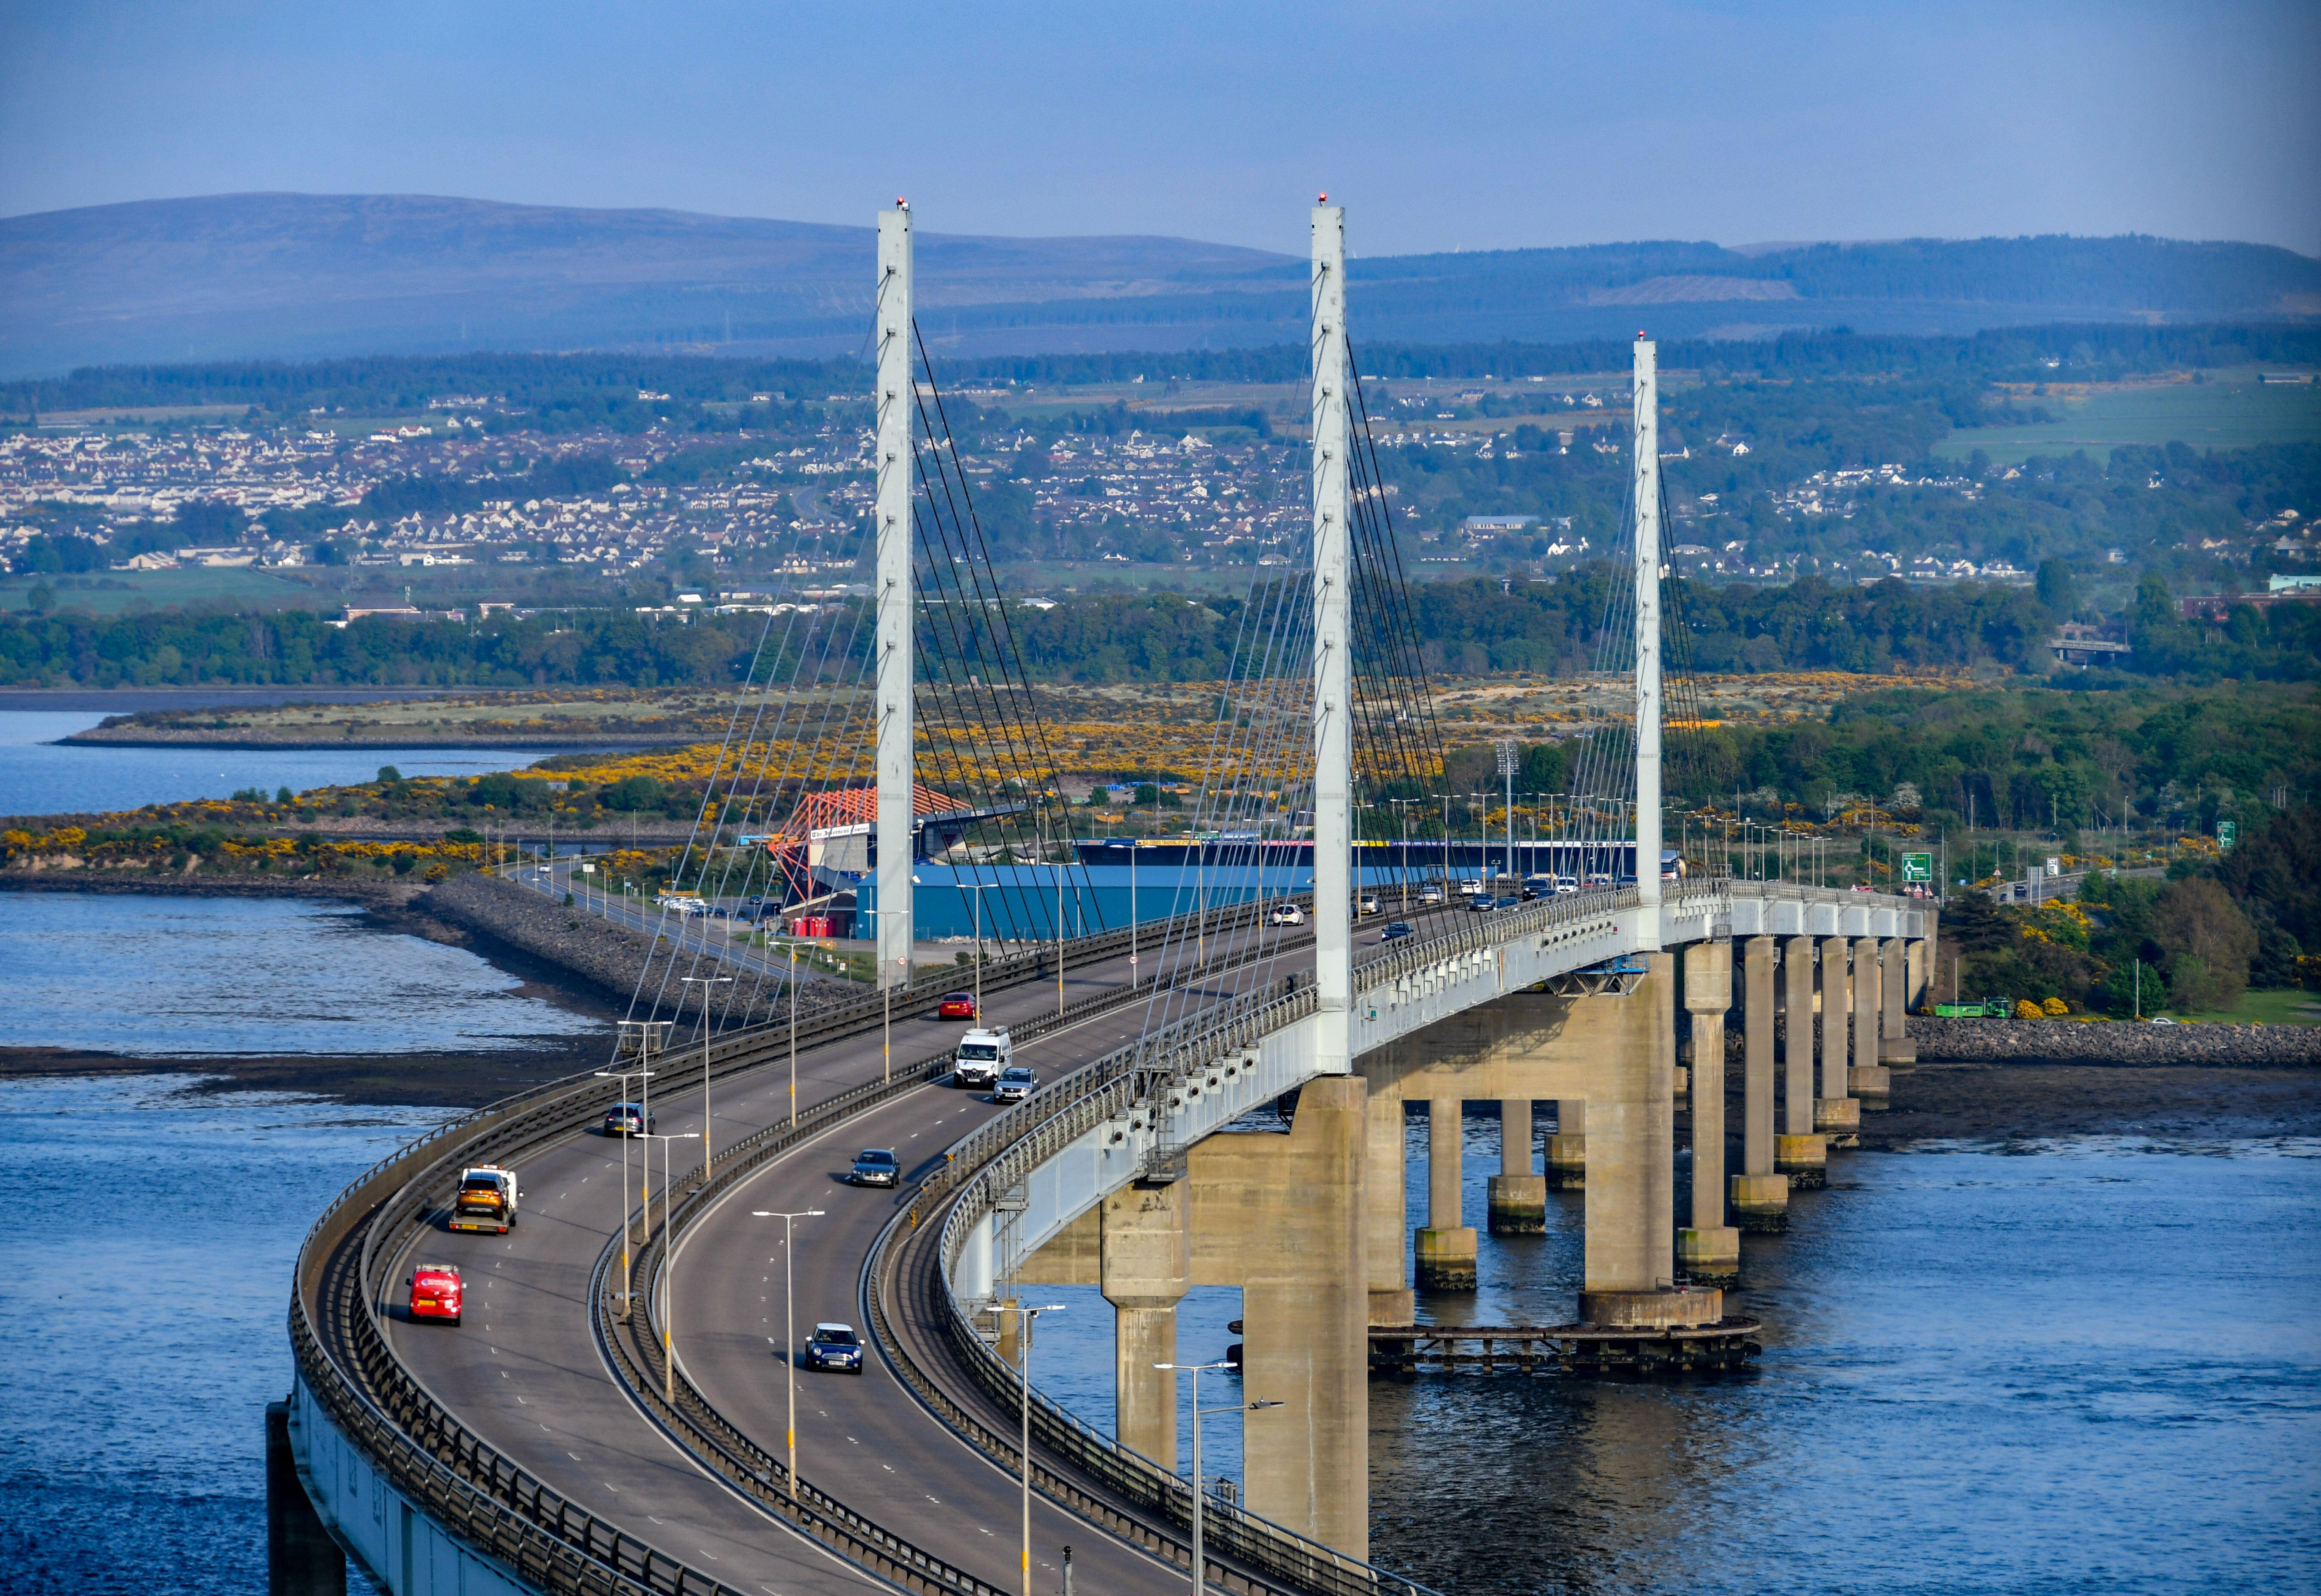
1447 1248
1803 1160
1518 1196
1567 1149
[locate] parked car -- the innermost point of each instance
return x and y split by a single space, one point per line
628 1120
1397 929
1286 914
435 1292
1015 1083
2161 1019
876 1166
957 1006
835 1346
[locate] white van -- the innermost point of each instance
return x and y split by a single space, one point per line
982 1056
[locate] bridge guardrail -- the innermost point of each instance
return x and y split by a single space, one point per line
503 1511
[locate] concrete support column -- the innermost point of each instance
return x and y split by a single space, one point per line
1709 1250
1305 1342
1867 1080
1567 1149
1761 1196
1630 1264
301 1557
1147 1264
1893 984
1447 1248
1835 1112
1797 1151
1518 1196
1384 1238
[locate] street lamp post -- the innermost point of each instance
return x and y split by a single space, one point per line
980 889
704 982
886 993
1025 1317
668 1257
1200 1570
789 1329
625 1077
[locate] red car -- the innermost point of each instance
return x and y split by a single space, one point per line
435 1292
958 1005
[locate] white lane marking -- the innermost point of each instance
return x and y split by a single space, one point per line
575 1457
519 1400
610 1486
706 1553
657 1521
888 1466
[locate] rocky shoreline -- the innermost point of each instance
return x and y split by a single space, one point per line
2076 1042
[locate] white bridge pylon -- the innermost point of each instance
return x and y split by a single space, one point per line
895 607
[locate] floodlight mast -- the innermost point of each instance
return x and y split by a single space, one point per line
894 399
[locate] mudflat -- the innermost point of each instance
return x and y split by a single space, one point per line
2019 1102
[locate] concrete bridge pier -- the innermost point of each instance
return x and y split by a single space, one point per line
1799 1152
1518 1201
1868 1080
1147 1264
1836 1114
1760 1195
1567 1149
1447 1248
1709 1250
1290 1212
1894 1043
1630 1266
1384 1208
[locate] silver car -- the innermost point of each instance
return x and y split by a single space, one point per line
1015 1084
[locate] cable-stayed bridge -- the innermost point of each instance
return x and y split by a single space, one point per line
622 1407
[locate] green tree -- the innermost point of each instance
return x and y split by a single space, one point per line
2207 944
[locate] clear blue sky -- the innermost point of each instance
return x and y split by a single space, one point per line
1445 125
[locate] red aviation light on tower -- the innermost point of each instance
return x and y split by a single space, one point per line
1321 199
901 203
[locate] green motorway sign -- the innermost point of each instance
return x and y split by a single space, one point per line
2227 833
1917 867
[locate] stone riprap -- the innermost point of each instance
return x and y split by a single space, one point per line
2076 1042
617 959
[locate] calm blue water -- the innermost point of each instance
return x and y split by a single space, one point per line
39 778
2088 1365
209 977
143 1318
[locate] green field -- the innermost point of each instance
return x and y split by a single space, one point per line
2223 415
2278 1007
240 586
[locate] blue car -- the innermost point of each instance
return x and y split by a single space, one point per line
835 1346
1482 905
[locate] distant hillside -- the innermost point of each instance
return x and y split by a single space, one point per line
301 276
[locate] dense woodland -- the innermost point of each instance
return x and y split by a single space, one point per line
1469 628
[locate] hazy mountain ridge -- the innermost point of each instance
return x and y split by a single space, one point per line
302 275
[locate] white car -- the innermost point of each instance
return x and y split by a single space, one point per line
1470 889
1286 914
1430 895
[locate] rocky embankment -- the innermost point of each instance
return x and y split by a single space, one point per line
615 960
2073 1042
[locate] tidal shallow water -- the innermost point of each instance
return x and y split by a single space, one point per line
40 776
211 977
2085 1365
148 1255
